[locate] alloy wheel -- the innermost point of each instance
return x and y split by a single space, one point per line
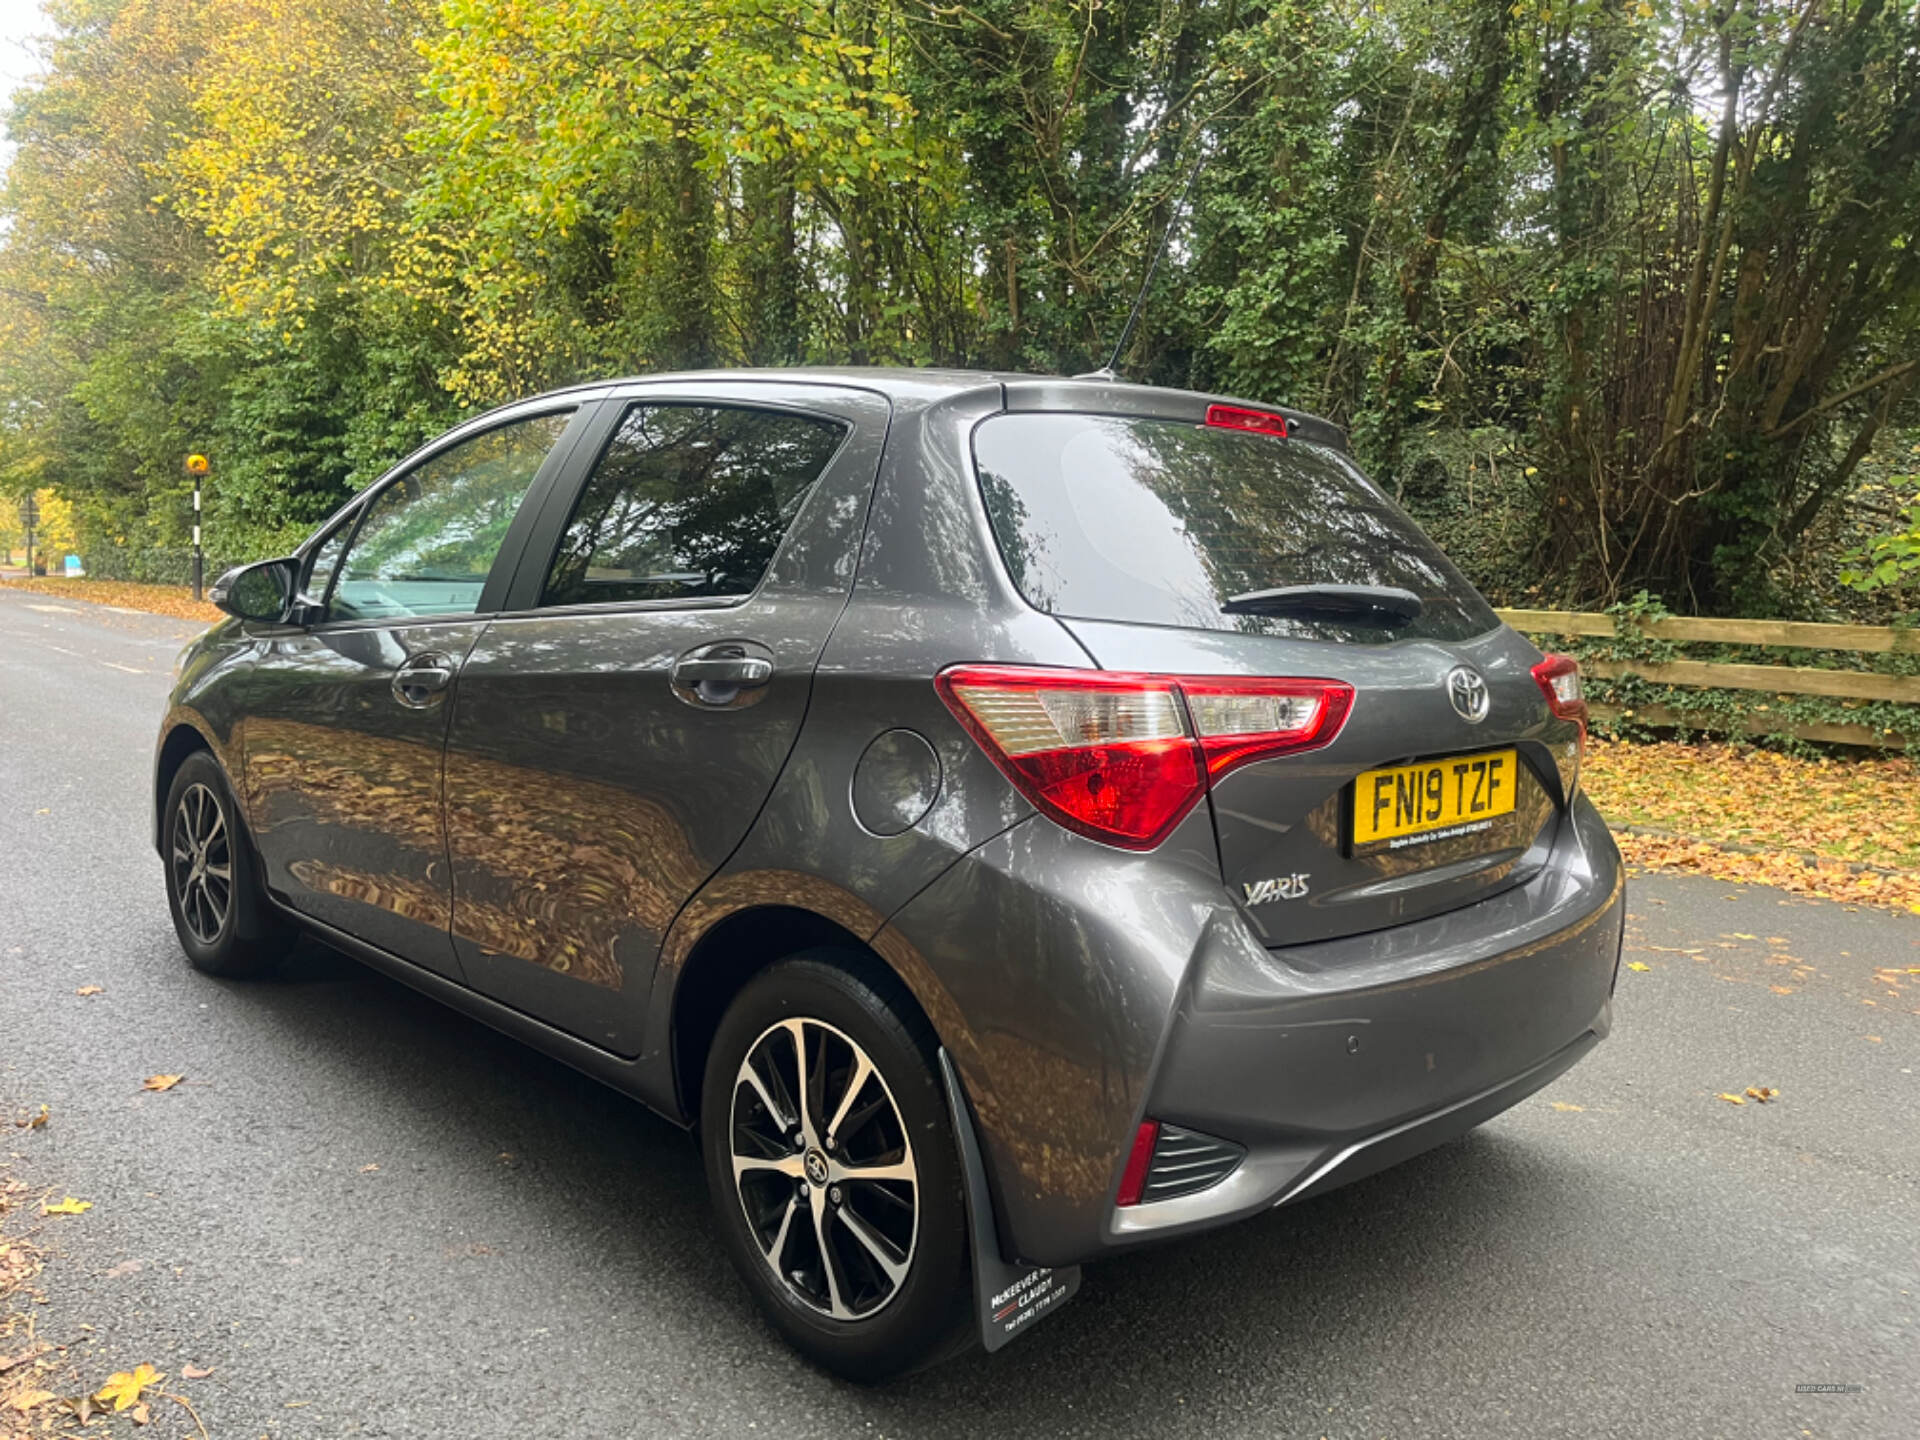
824 1169
202 860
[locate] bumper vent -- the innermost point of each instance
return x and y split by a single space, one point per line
1185 1161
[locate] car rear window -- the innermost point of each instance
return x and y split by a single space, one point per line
1159 522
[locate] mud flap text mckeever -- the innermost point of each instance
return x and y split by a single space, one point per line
1007 1299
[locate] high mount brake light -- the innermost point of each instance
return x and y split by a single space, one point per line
1122 758
1236 417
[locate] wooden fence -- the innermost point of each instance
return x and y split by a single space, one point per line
1763 679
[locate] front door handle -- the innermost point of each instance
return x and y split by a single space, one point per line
722 676
422 682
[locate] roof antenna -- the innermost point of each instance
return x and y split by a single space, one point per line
1107 371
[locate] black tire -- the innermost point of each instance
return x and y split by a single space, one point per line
238 934
926 1316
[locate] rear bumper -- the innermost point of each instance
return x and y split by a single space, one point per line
1332 1061
1072 1021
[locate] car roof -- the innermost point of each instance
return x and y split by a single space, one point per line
911 387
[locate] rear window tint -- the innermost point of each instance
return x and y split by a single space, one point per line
1160 521
688 501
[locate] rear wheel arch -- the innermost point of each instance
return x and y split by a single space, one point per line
734 950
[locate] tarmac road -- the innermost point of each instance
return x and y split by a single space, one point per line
374 1218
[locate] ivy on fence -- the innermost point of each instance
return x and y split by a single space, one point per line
1626 701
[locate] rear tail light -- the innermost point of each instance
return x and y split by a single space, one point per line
1122 758
1558 677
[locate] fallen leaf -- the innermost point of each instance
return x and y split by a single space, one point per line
123 1387
68 1206
35 1120
1762 1093
161 1082
91 990
1562 1105
369 1169
26 1400
1638 965
1876 1039
139 1414
194 1372
1781 989
1731 1099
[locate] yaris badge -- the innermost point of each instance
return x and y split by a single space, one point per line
1468 692
1284 887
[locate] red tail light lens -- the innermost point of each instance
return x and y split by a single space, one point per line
1122 758
1134 1178
1558 677
1235 417
1243 720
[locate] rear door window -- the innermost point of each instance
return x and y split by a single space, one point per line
1159 522
687 502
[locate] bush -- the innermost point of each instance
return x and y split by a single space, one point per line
152 566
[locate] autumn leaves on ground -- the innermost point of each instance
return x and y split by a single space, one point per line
1845 829
52 1380
174 600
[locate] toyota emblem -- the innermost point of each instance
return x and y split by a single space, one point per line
1468 692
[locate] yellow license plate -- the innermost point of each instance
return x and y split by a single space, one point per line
1459 793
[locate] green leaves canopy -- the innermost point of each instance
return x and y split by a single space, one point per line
1658 257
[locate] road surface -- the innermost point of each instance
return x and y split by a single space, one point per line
371 1217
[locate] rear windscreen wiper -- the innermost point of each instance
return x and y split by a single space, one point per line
1357 604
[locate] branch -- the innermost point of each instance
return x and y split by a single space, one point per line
1892 372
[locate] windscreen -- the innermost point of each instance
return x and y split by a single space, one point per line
1160 522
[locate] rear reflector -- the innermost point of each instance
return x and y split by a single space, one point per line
1134 1178
1122 758
1235 417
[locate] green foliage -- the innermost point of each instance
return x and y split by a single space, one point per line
148 566
1888 561
1616 294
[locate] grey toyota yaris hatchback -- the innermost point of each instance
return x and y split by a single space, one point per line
1014 819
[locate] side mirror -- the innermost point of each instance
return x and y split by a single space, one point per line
262 592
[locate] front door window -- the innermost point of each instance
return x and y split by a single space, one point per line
430 537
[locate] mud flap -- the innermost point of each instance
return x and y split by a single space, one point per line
1007 1299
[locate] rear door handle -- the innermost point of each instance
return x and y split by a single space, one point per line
723 676
421 683
740 671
